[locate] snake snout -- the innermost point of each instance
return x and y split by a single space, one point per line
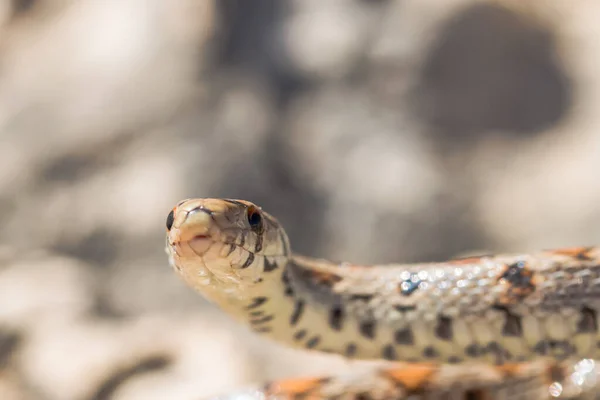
200 244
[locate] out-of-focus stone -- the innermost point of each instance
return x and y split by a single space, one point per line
354 150
35 288
126 66
10 387
184 354
544 194
326 39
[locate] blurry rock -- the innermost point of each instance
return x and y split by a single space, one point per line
492 70
181 355
101 68
325 40
370 163
11 388
348 146
43 286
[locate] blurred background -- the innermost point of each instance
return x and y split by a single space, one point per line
376 131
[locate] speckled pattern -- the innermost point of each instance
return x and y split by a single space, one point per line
489 312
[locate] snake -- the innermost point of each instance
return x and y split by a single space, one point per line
499 326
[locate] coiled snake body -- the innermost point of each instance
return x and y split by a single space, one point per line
485 327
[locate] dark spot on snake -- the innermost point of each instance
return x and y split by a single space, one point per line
514 273
520 279
232 247
262 329
170 219
512 323
404 336
259 243
472 350
242 239
512 327
256 302
286 283
443 329
266 318
454 360
560 349
410 285
494 348
430 352
256 313
297 313
336 317
501 354
361 297
350 350
363 396
367 329
300 334
248 261
270 266
389 353
504 357
583 255
313 342
556 372
588 322
475 394
405 308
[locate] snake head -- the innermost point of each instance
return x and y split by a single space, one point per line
224 245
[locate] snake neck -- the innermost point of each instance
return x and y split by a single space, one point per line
301 305
283 306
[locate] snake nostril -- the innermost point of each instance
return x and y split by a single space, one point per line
170 220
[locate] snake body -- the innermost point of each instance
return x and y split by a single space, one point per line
500 312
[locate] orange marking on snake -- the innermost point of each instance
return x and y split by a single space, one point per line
520 281
465 261
413 377
510 370
325 278
295 387
580 253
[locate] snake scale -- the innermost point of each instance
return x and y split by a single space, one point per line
478 328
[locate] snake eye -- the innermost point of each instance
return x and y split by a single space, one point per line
255 219
170 220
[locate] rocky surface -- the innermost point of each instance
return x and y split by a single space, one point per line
376 131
